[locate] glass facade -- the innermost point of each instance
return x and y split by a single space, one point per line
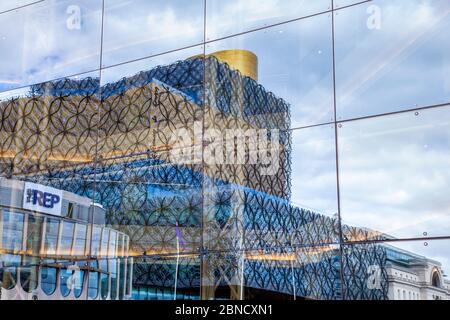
212 149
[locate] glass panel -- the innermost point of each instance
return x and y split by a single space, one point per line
105 242
49 40
12 231
292 76
8 271
29 274
394 176
95 243
292 273
122 278
403 270
93 284
6 5
79 281
113 269
313 177
225 18
51 236
80 240
34 234
49 135
112 244
152 27
392 55
66 238
104 285
148 195
156 278
343 3
66 279
48 280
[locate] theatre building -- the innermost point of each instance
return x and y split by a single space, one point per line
54 245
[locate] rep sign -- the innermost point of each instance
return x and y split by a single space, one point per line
37 197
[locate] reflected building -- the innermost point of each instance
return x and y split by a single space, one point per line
55 245
197 229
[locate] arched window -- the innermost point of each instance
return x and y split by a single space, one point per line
104 285
65 281
9 277
48 280
93 285
29 278
436 280
78 288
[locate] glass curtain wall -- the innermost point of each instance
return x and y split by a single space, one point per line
283 149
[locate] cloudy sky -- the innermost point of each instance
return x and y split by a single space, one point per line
391 55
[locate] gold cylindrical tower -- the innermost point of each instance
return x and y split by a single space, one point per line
246 62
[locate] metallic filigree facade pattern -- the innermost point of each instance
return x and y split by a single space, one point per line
227 224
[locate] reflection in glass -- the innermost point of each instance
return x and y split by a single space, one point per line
49 40
152 27
66 238
93 285
51 236
34 234
95 243
80 239
391 55
394 173
296 67
104 285
29 274
404 270
48 280
225 18
66 281
314 169
79 282
12 230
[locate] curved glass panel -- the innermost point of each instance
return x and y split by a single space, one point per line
65 248
79 286
34 234
112 268
29 277
104 285
51 236
112 251
48 280
12 235
66 281
79 246
105 242
9 277
95 243
93 285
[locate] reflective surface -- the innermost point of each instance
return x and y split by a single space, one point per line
224 150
